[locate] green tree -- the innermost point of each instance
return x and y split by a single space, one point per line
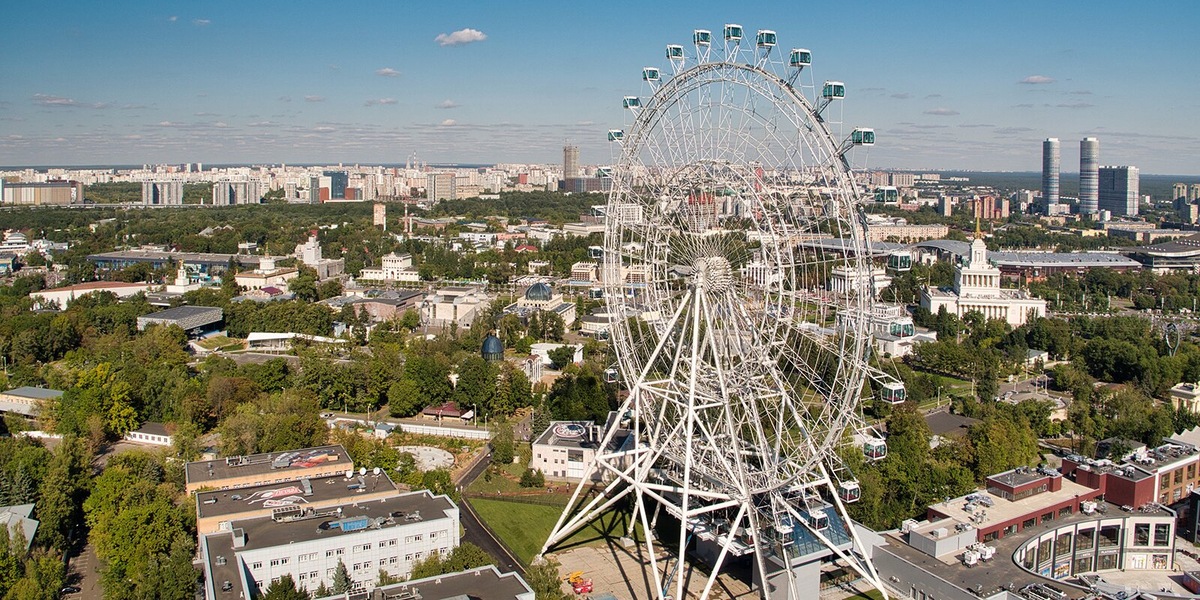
503 444
561 356
63 492
341 579
284 588
543 578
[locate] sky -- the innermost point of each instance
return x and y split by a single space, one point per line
946 85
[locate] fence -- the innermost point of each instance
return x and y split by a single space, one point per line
454 432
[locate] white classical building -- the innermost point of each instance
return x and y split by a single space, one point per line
844 279
977 288
266 275
393 267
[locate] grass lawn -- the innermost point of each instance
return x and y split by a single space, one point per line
506 482
525 527
869 595
220 342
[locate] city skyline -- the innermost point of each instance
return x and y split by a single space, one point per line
148 82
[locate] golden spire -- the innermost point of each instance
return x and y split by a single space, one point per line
977 231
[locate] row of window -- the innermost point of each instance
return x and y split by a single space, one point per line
358 548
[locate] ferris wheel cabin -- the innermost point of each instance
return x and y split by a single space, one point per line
900 261
849 491
893 392
702 37
833 90
765 38
861 136
651 74
733 33
615 135
675 52
875 449
631 102
800 58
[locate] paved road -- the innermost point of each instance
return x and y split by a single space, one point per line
82 573
476 533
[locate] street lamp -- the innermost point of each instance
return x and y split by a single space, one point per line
474 415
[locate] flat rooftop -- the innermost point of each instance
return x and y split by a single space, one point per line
1000 572
1006 510
1017 478
36 393
320 490
405 509
219 469
483 583
185 312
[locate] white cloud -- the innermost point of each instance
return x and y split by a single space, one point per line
172 18
64 102
1037 79
324 129
942 112
314 98
387 72
201 22
460 37
448 103
449 123
374 102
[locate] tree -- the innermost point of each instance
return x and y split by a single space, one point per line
44 576
439 482
561 356
63 492
341 579
284 588
476 382
503 445
410 320
543 578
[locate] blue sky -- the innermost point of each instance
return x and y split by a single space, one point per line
947 85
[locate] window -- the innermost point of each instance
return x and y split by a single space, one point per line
1162 534
284 560
303 577
1085 539
1064 511
1044 550
357 567
393 560
1028 523
433 535
1191 471
1083 565
312 574
1062 545
1106 562
366 547
1110 535
417 537
1164 481
1178 477
274 562
1048 517
256 565
1141 534
408 557
329 572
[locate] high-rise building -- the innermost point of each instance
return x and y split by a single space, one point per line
162 192
229 191
1194 192
1118 190
440 186
1089 156
570 162
380 215
1179 190
1050 161
338 180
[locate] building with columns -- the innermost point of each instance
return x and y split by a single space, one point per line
977 288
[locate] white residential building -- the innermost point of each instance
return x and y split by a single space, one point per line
393 267
391 534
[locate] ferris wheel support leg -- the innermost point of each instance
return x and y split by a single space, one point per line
648 532
867 564
716 568
685 502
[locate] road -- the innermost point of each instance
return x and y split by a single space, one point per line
476 533
82 573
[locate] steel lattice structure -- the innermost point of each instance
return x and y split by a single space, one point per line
741 391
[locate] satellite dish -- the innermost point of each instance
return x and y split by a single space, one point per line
375 471
362 471
349 473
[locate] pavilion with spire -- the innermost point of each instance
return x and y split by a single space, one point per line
977 288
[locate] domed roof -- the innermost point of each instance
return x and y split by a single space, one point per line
493 348
538 292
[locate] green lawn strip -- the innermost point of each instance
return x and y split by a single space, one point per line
524 527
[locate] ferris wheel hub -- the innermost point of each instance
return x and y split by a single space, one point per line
713 274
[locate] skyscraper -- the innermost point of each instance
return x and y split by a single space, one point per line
1179 190
570 162
1089 155
1194 192
1050 160
338 180
1119 190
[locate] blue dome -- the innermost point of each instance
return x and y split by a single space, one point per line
538 292
493 348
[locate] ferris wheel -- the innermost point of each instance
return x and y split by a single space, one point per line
732 206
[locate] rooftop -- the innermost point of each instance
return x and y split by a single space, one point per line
36 393
257 464
411 508
483 583
185 312
316 490
977 513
